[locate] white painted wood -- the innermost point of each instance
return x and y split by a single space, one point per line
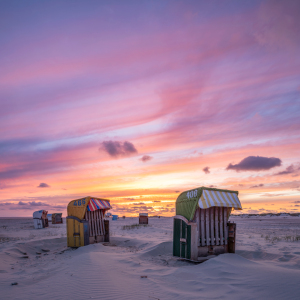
94 223
212 226
91 225
207 226
197 219
225 225
102 221
98 223
221 227
202 227
217 237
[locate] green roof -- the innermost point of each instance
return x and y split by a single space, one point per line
187 201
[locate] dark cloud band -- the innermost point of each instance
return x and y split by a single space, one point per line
255 163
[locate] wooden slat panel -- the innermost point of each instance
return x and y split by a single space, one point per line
225 225
217 237
97 222
88 218
207 226
202 227
103 221
101 218
198 225
221 227
100 222
212 226
94 223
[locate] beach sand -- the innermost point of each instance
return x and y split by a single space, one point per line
138 263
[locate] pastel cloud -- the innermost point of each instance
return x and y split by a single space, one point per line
289 170
256 186
117 149
146 158
43 185
206 170
255 163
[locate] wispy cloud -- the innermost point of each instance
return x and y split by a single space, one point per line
257 186
146 158
289 170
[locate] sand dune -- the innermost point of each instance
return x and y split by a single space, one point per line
138 263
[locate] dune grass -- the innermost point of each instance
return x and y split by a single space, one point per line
134 226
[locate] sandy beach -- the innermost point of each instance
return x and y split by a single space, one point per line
138 263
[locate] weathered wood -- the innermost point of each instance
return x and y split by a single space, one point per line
101 220
89 220
212 226
197 220
202 227
225 225
181 218
207 226
94 223
221 223
194 242
217 237
97 222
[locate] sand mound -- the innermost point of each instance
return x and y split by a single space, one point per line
138 264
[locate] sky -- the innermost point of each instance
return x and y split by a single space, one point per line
138 101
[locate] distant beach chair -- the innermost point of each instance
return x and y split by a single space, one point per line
57 218
143 218
40 219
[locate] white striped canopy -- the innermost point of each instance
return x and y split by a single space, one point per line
210 198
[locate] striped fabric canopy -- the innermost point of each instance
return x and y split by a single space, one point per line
95 204
210 198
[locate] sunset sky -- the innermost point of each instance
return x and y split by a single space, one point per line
137 101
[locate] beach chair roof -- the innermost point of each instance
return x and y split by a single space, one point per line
77 208
204 197
39 213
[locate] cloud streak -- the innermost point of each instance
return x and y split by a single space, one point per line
289 170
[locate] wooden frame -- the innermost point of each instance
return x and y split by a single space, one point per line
208 233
